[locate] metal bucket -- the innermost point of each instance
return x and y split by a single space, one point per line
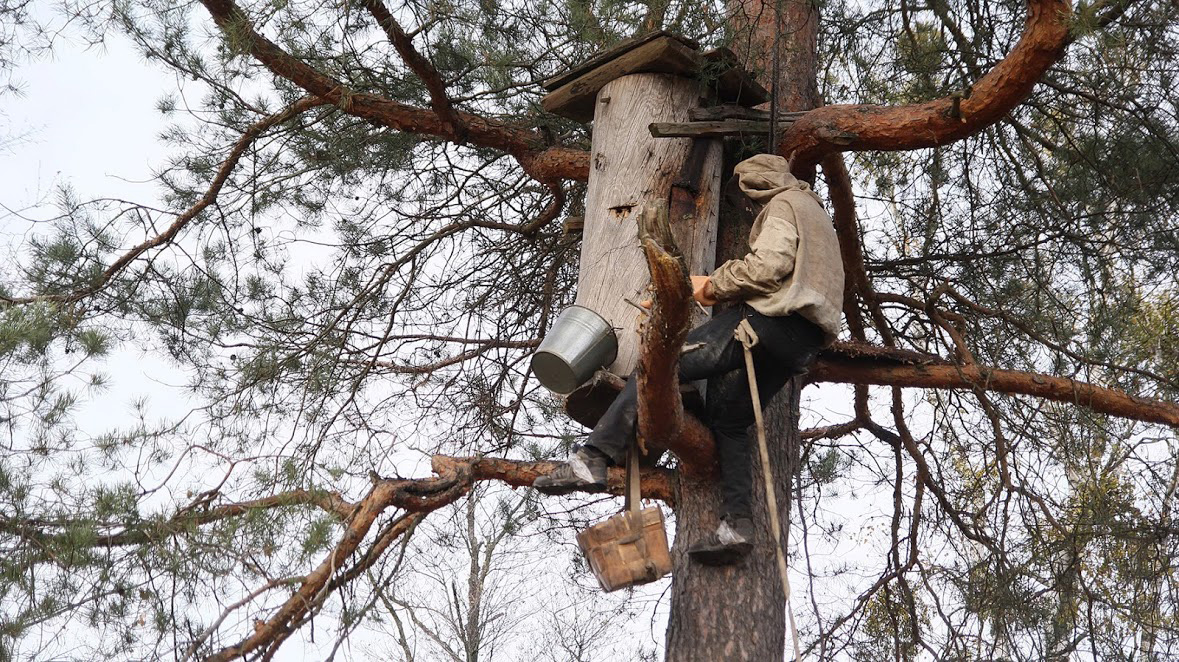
579 342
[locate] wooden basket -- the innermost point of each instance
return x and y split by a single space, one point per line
627 549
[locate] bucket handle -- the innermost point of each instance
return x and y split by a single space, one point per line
634 517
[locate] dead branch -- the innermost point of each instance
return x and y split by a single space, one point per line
657 483
662 420
846 127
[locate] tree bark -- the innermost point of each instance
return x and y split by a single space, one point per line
738 613
734 613
846 128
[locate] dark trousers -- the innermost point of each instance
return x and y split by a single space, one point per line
787 345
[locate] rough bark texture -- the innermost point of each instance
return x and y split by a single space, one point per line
738 613
731 613
632 169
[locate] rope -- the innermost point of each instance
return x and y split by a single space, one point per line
775 74
748 338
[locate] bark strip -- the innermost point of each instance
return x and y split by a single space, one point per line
662 420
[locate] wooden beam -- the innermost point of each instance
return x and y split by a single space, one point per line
731 111
716 129
573 225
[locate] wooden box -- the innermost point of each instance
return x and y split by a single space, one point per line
627 549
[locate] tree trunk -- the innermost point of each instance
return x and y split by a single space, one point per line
734 613
738 613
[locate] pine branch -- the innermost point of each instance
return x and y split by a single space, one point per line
846 128
542 162
846 363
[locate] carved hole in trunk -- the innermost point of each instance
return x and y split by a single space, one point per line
620 212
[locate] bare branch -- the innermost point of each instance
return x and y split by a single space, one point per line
193 515
413 495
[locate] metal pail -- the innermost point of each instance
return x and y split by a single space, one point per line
579 342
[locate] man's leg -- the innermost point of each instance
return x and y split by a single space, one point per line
730 416
787 346
710 349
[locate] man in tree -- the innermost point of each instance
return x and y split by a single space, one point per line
788 288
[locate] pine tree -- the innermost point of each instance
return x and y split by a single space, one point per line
359 242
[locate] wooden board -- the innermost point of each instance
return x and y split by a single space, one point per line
737 112
576 99
573 94
617 51
718 129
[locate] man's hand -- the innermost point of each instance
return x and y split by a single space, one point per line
702 290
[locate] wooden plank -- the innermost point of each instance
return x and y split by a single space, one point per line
576 98
611 53
718 129
735 112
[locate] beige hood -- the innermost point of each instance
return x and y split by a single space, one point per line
764 176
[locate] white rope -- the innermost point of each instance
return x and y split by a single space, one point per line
748 338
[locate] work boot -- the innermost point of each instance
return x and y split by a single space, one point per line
730 543
584 471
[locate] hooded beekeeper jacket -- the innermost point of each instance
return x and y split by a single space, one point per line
794 264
